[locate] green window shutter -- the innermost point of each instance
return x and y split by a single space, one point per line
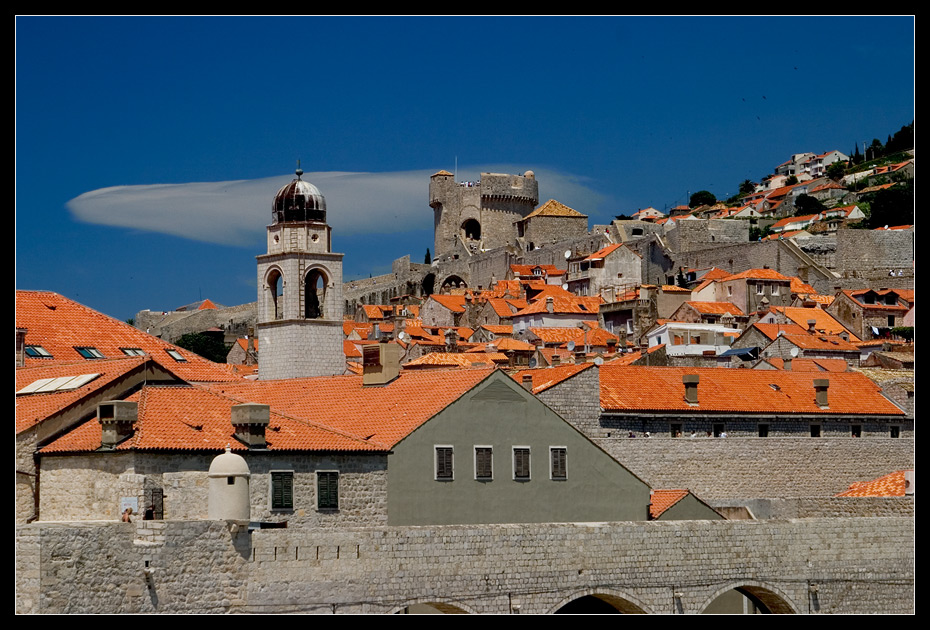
559 463
327 490
282 490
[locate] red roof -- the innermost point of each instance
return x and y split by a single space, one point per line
633 389
892 485
662 500
716 308
303 413
455 303
544 378
574 305
207 304
60 325
757 274
604 252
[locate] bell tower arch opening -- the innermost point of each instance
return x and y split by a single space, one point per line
274 294
315 294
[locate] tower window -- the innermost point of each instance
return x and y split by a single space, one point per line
314 294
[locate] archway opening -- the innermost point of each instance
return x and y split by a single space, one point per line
748 600
599 604
471 230
453 282
275 304
428 284
314 294
431 608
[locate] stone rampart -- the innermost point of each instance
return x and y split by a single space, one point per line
842 565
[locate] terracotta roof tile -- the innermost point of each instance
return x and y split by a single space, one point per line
59 325
455 303
457 359
823 321
575 305
544 378
662 500
716 308
553 208
891 485
632 389
758 274
207 304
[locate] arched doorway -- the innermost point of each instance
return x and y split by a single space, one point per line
471 230
598 603
274 295
314 294
431 608
427 287
748 599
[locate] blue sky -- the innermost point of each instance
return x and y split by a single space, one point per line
148 150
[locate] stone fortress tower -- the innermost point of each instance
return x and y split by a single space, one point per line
479 215
300 305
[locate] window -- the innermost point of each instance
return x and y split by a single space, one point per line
558 465
815 430
675 429
729 291
719 430
521 463
282 490
894 432
763 430
327 490
760 289
857 430
775 289
133 352
444 463
174 354
89 353
484 463
38 352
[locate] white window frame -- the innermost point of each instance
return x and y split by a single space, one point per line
529 461
551 471
436 476
271 475
475 461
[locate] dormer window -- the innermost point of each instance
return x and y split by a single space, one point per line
37 352
177 356
89 353
133 352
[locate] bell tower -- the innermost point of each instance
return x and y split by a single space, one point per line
299 324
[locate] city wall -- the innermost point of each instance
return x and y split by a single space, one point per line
840 565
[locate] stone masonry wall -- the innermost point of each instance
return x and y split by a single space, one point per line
760 467
841 565
870 254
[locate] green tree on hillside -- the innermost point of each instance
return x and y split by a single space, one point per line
702 198
893 206
207 346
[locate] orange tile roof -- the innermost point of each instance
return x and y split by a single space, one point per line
553 335
771 330
716 308
457 359
502 329
553 208
544 378
604 252
790 220
506 344
757 274
896 227
807 341
823 321
207 304
197 419
662 500
575 305
33 408
891 485
59 325
631 389
527 270
455 303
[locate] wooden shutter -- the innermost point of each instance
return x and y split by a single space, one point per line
443 462
483 467
521 463
282 490
559 468
327 490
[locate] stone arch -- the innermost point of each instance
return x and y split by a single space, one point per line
767 598
274 294
453 281
316 282
420 605
600 600
428 284
471 230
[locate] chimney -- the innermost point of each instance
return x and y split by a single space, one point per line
787 364
249 422
550 306
528 382
117 419
908 483
380 363
691 388
452 340
21 346
556 361
821 385
811 323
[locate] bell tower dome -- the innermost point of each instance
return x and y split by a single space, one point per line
299 323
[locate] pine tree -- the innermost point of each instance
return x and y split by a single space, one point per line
429 259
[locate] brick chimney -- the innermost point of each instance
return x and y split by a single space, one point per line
821 385
811 324
528 382
249 422
691 388
556 361
117 419
550 304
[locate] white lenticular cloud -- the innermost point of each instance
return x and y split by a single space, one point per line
234 212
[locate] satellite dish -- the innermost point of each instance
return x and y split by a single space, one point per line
794 352
598 360
565 286
568 254
533 362
404 337
571 345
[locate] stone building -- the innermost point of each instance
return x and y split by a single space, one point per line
300 305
